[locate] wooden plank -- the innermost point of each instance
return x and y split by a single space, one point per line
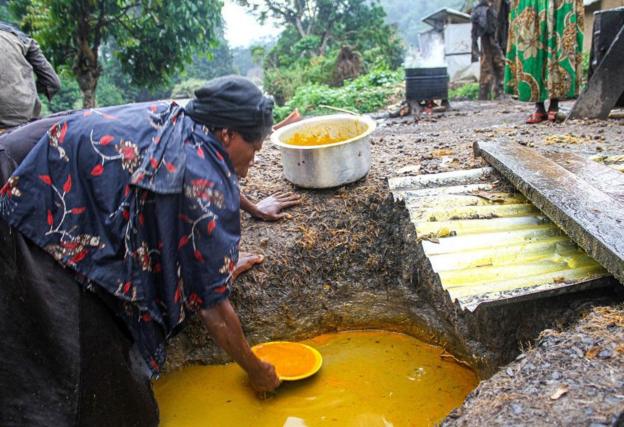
591 217
605 86
602 177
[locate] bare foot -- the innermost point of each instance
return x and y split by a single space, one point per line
245 262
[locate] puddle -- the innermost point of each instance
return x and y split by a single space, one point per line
368 378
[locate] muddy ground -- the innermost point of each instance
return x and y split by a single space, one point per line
573 376
341 262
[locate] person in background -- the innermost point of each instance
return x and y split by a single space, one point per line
544 55
492 63
502 23
21 56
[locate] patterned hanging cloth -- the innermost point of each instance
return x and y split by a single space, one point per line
544 51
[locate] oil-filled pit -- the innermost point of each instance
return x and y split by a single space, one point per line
351 259
369 378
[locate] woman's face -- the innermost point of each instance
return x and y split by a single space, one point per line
241 152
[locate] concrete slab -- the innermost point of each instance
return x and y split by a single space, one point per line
580 196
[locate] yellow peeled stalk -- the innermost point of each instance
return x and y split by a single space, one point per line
449 201
512 254
490 240
461 227
479 275
474 212
576 275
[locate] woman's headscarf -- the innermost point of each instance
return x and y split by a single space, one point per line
231 102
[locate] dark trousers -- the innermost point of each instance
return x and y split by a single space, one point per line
65 360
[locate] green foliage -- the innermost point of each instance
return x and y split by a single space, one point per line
212 62
68 98
243 60
152 38
365 94
5 13
283 82
108 94
465 92
315 31
585 68
186 88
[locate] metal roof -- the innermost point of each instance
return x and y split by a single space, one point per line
442 14
487 243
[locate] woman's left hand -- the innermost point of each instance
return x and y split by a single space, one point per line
270 208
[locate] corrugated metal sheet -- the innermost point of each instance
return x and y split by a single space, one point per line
487 243
444 15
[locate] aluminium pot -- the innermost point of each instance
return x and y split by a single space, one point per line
330 165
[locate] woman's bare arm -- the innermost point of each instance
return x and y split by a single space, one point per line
224 326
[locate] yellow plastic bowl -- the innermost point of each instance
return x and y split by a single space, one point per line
293 361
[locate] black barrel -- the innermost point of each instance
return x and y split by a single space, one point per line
422 84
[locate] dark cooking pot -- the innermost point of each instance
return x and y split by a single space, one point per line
422 84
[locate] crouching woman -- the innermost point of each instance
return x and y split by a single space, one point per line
118 225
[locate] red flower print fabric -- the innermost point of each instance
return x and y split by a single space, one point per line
141 201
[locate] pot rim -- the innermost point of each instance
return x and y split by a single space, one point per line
275 136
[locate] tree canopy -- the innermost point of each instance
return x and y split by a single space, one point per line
315 32
317 25
152 38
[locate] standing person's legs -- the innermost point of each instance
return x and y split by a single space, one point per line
539 115
553 109
485 74
498 66
40 349
65 359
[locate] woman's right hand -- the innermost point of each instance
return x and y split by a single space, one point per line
264 378
224 327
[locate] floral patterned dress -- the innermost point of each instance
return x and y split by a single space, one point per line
143 203
544 51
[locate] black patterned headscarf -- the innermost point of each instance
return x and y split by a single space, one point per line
232 102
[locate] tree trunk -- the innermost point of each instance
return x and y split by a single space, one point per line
324 41
86 68
87 74
299 26
88 85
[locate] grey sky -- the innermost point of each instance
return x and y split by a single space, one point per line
241 28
